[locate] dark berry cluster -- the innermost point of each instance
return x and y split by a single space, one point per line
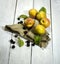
28 43
20 22
12 42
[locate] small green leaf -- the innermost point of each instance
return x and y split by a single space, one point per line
43 9
37 39
20 42
23 16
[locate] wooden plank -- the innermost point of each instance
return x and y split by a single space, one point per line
6 17
39 55
56 31
4 46
6 12
21 55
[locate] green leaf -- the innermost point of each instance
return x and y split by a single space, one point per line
20 42
37 39
43 9
23 16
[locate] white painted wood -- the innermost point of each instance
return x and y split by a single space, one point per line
6 17
4 46
56 30
6 12
21 55
43 56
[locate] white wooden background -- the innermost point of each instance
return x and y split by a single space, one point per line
9 11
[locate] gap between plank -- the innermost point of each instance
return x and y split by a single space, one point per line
51 30
12 33
31 45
